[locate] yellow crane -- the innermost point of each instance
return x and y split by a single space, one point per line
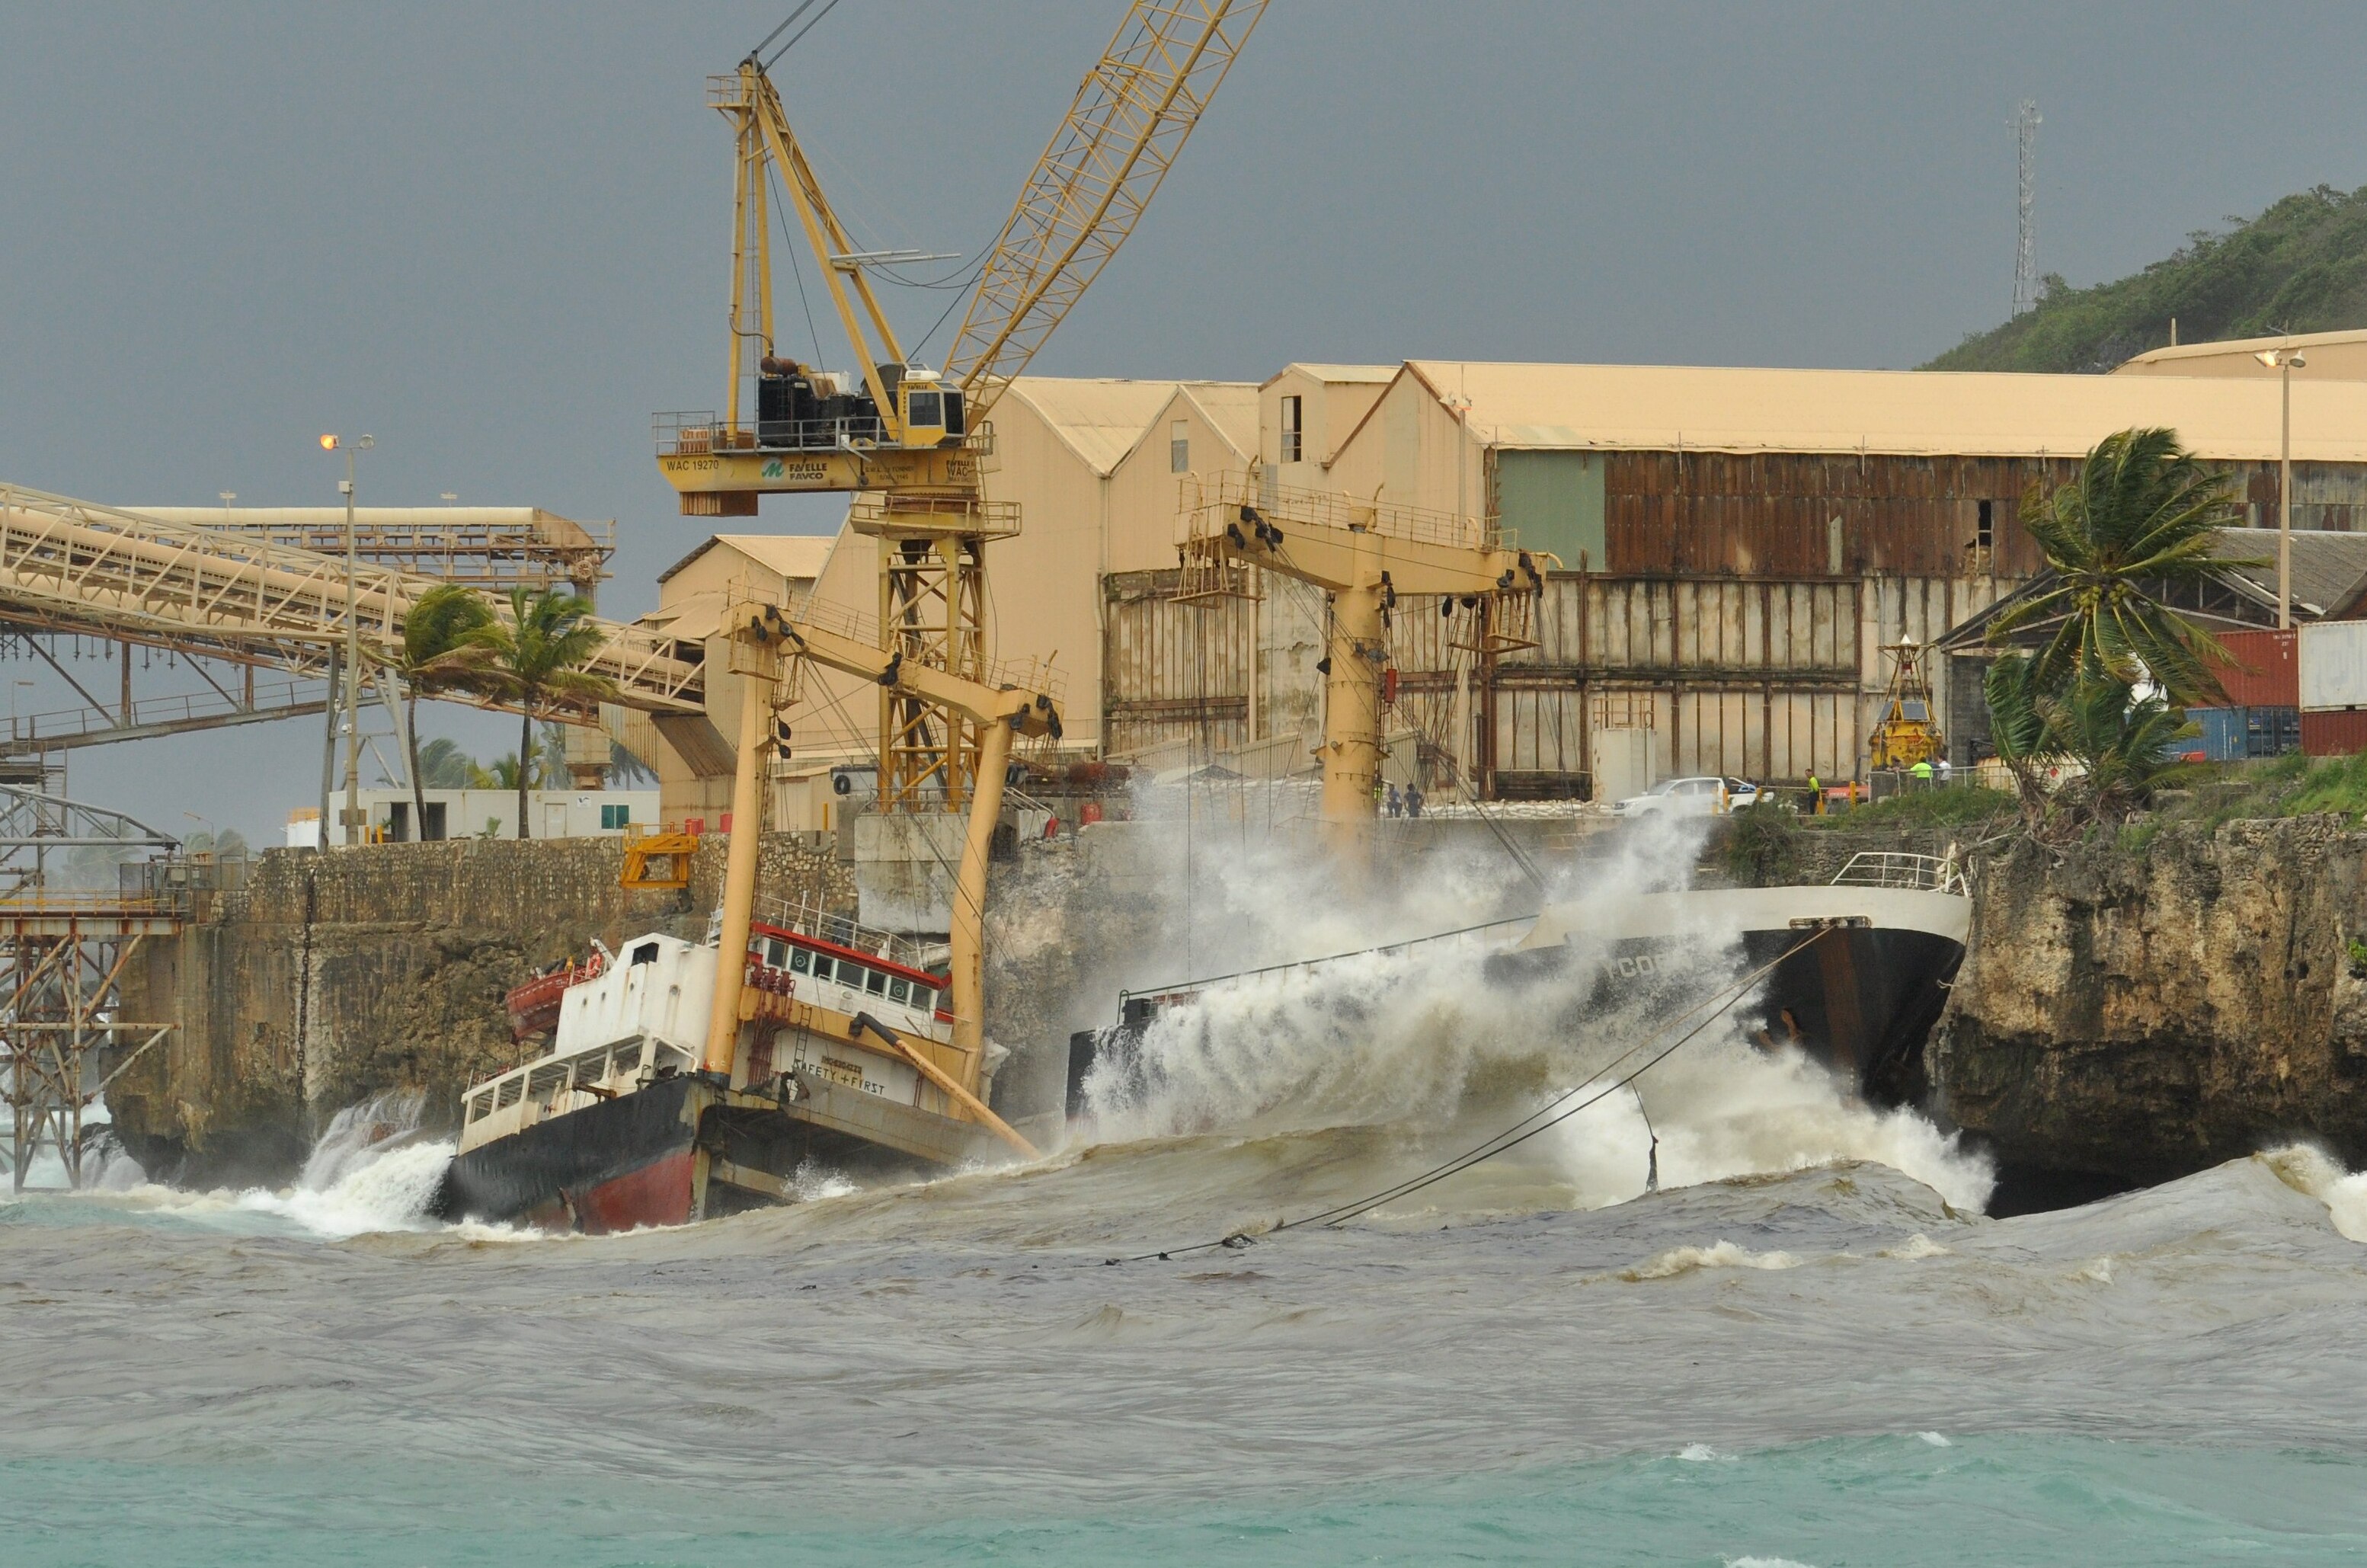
910 438
764 638
1365 555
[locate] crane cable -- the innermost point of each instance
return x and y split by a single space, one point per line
1513 1136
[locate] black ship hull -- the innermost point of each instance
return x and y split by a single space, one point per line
686 1148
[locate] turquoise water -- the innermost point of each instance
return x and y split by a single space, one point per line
1900 1501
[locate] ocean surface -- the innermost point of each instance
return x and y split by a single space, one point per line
1808 1346
1827 1366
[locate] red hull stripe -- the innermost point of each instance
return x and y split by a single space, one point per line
657 1194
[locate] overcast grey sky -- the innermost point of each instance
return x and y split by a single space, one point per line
494 235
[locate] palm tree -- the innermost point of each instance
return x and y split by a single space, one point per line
2137 521
2123 738
437 624
444 766
535 659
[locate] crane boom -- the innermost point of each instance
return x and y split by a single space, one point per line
1363 555
1132 115
764 635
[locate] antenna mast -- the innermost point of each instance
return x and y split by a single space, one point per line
2025 250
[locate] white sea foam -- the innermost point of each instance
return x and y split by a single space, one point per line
2312 1171
1688 1259
1417 1036
1915 1248
1937 1439
1700 1453
1765 1562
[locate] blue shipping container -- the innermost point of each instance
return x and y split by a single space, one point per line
2230 734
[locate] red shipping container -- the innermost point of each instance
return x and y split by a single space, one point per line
2266 673
2338 734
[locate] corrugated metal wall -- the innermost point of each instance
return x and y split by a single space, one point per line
1755 677
1172 672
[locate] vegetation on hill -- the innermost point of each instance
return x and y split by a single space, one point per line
2299 266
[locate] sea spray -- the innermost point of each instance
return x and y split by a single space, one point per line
1422 1037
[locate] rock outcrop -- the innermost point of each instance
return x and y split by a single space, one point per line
2125 1015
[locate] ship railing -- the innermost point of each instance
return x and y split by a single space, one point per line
809 917
1896 868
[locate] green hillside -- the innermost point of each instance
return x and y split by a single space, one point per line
2299 266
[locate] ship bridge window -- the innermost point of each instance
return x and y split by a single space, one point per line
646 953
874 981
801 961
821 966
898 988
777 953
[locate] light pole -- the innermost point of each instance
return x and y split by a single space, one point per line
2284 361
352 815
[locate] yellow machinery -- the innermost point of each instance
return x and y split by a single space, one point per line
657 861
1906 733
1365 555
762 639
912 439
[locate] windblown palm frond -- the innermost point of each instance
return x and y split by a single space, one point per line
534 659
2139 520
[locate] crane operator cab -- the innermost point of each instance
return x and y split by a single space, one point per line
802 409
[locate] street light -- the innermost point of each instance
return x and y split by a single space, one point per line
2284 361
353 811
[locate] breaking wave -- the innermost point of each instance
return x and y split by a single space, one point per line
1426 1038
374 1169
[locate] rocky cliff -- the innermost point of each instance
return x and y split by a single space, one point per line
2128 1014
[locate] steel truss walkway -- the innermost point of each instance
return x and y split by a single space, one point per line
78 568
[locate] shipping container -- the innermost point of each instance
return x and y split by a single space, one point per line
2231 734
2337 734
2265 673
2333 665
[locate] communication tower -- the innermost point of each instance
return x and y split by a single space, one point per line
2025 250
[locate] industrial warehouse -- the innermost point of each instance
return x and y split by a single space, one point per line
1734 550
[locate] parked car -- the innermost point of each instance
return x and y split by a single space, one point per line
1690 798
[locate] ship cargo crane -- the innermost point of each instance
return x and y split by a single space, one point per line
764 640
910 438
1363 555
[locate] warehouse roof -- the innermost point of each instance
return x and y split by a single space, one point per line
1102 420
1911 412
790 555
2330 569
1341 373
2330 581
2328 356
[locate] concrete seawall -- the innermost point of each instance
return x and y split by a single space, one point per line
332 977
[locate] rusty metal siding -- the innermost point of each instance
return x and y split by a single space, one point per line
1172 672
1712 513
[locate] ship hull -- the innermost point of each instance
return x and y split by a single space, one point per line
686 1149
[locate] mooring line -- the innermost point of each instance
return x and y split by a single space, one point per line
1511 1137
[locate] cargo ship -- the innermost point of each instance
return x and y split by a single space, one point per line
687 1080
845 1059
1860 971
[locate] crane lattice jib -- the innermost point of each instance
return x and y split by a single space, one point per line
1132 114
78 567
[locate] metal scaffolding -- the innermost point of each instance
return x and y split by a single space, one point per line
80 888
